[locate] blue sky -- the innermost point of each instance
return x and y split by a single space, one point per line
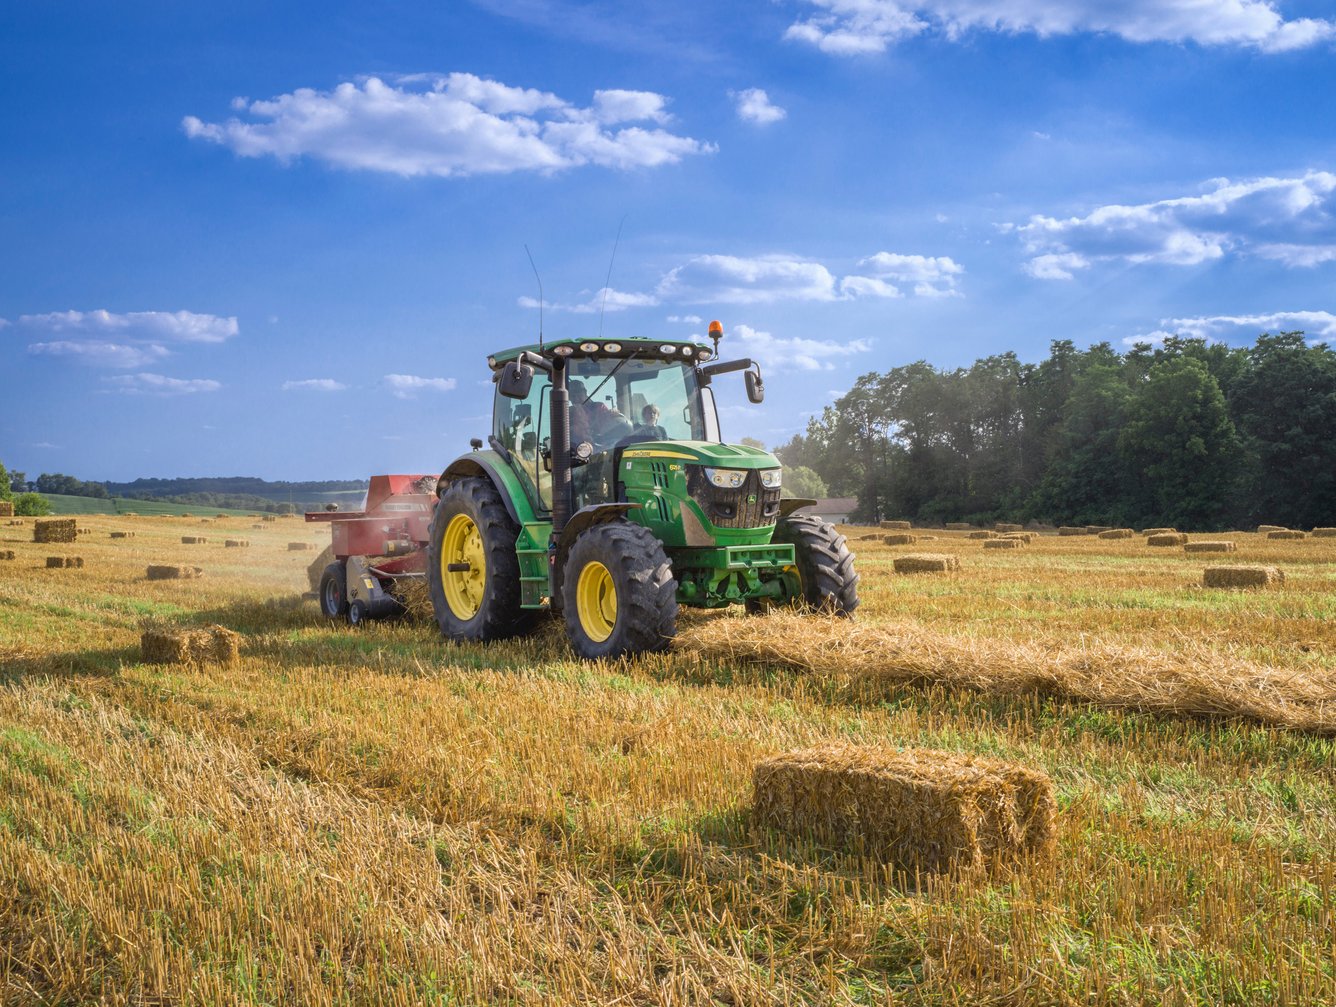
280 239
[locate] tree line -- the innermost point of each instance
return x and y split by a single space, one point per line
1187 434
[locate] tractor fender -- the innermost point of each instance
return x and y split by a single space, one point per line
489 465
790 504
587 517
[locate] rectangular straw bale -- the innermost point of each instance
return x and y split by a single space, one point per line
1112 533
1068 530
300 546
212 645
55 562
919 809
1222 546
64 529
174 572
1005 543
1241 576
6 508
925 562
896 525
122 534
1020 536
1286 534
1324 533
1004 527
1263 529
1097 529
7 554
899 538
236 543
1167 538
978 535
958 526
1160 531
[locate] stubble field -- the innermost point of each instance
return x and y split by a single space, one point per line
367 816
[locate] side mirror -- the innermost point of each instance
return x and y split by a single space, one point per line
755 386
516 380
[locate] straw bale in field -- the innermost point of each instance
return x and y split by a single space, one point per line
1286 534
193 540
1241 576
1112 533
269 517
1211 547
977 535
212 645
63 529
174 572
61 562
1004 527
1097 529
236 543
917 808
958 526
1324 533
1068 530
927 538
1005 543
6 508
7 554
873 537
900 538
1020 536
300 546
1167 538
1263 529
925 562
896 525
122 534
1160 531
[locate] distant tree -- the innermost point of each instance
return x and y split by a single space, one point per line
800 481
18 481
752 442
6 493
1182 446
31 505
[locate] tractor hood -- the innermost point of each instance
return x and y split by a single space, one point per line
730 456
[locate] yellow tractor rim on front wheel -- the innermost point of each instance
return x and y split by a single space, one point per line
463 567
596 602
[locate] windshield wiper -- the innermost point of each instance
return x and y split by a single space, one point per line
611 373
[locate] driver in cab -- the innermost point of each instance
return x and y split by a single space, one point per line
595 422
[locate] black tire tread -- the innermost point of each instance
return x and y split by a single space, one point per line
646 590
825 564
501 616
335 572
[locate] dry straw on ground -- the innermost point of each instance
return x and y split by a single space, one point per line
162 572
1005 543
1069 531
925 562
1115 533
1241 576
899 538
980 535
896 525
1286 534
868 660
917 808
212 645
63 529
1221 546
1167 538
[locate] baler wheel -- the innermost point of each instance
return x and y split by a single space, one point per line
333 592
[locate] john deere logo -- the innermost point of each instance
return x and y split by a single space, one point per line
751 498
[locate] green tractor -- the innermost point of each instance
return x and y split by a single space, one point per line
608 498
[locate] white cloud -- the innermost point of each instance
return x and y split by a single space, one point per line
407 386
1289 220
932 276
754 105
101 354
796 353
685 319
1321 324
857 27
452 125
158 384
616 300
314 385
172 326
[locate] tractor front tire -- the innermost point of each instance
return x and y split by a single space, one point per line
618 592
473 571
333 592
826 576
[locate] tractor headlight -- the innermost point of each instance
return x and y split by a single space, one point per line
771 478
726 479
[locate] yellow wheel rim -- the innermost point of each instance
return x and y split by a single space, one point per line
596 602
462 549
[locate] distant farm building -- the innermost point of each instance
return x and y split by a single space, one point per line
836 510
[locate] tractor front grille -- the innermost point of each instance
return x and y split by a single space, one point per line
749 506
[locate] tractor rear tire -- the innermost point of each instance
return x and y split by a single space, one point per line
480 599
333 592
826 572
619 593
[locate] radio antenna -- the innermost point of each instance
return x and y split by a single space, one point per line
540 296
606 282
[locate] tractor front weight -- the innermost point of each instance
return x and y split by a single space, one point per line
731 575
